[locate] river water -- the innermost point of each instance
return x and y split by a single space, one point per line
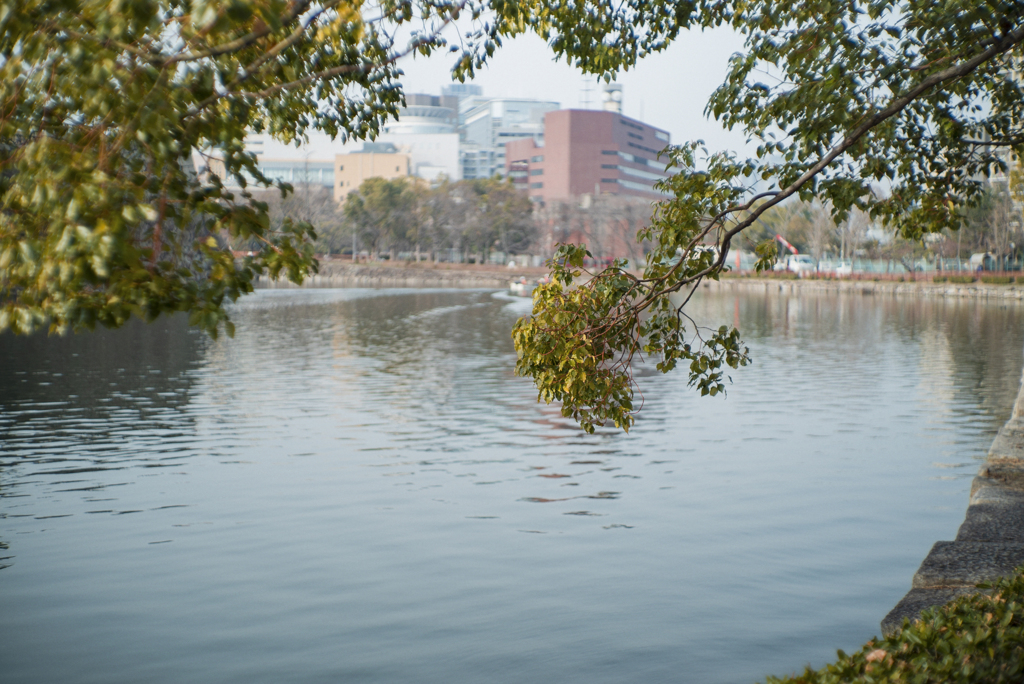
356 488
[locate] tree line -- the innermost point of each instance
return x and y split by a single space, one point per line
464 220
995 226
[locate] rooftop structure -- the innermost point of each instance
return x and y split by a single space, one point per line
425 114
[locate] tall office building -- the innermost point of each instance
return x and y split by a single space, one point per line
589 152
467 96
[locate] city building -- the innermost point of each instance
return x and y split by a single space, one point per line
589 152
467 96
490 125
294 170
425 114
374 160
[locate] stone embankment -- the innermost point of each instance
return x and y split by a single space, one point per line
919 288
346 274
990 542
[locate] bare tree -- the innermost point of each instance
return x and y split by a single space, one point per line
308 202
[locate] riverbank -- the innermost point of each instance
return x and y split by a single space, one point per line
445 275
989 543
868 287
424 274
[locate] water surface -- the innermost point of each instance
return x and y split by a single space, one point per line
356 488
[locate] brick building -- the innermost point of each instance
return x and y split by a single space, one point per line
588 152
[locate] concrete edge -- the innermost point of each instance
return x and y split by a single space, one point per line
990 541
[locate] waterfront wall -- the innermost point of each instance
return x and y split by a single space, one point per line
868 287
989 543
378 275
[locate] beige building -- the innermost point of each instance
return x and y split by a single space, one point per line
376 160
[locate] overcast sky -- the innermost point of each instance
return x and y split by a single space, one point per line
668 90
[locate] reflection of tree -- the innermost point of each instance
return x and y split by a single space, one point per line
5 559
74 388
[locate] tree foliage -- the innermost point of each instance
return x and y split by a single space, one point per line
898 108
473 216
103 105
383 212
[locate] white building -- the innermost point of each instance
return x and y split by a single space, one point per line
467 95
427 135
489 125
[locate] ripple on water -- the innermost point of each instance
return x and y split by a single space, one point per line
358 482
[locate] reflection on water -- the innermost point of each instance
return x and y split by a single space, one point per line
357 488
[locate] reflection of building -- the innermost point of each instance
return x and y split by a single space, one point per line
489 126
374 160
586 151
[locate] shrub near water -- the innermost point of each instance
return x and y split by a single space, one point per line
973 639
997 280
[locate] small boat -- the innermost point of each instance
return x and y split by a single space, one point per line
521 287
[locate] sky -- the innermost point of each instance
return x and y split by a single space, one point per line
668 90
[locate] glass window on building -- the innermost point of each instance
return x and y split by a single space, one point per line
278 174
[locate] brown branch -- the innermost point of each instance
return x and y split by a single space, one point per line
326 73
296 9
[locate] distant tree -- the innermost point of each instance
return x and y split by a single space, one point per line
384 213
607 224
447 211
994 225
309 203
504 216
